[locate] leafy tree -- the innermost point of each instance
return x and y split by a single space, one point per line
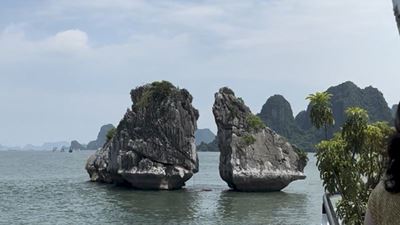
321 114
352 163
354 128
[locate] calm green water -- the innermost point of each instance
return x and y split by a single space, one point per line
53 188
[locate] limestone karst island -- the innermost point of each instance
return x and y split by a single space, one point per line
200 112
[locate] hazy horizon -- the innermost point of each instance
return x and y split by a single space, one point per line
67 67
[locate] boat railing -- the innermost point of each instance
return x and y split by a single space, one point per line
329 216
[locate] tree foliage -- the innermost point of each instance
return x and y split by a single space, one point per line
354 128
321 114
352 163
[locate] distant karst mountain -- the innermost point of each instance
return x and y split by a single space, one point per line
347 95
394 110
47 146
75 145
204 136
210 147
101 138
277 113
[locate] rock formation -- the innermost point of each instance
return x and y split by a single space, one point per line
396 9
101 138
277 114
204 136
210 147
75 145
394 110
153 146
253 157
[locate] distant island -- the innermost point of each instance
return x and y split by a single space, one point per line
74 145
204 136
47 146
96 144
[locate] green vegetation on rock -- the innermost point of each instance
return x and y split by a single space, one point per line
248 139
111 133
155 92
254 122
240 100
302 154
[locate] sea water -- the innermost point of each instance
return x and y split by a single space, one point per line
38 187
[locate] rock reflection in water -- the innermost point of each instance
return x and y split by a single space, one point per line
153 207
262 208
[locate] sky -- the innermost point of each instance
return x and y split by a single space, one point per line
67 66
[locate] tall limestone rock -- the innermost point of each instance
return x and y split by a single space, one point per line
252 157
154 145
277 114
101 138
348 95
302 120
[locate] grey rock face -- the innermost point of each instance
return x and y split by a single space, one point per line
204 136
154 145
396 9
101 138
278 115
394 110
253 157
75 145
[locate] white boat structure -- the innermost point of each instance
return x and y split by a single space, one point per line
329 216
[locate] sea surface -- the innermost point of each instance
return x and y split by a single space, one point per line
38 187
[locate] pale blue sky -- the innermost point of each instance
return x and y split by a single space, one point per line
67 66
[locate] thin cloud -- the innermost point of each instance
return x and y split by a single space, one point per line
69 40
